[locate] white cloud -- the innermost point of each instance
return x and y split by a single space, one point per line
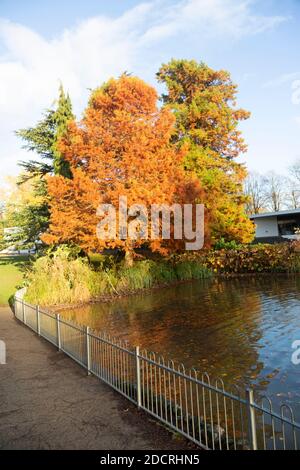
293 79
214 17
97 48
281 80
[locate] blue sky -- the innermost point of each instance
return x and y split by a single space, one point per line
82 43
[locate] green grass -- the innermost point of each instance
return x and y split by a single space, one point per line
11 276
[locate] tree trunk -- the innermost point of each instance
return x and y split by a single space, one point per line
128 258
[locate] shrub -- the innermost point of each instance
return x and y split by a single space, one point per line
227 245
191 270
164 272
281 257
58 278
138 276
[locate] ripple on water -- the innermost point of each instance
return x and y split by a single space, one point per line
241 329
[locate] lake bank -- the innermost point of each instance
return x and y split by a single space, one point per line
64 278
145 291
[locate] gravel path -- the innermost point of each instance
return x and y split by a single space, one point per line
48 402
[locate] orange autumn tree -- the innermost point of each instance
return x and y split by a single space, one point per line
120 148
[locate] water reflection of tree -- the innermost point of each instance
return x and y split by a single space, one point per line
212 325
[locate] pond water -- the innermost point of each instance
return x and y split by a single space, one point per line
240 329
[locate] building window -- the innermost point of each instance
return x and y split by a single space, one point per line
287 227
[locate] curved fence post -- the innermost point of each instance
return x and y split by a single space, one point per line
138 376
38 320
88 350
23 311
58 331
251 418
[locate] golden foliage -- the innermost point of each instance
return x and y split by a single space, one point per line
122 147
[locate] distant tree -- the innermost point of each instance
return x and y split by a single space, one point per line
22 210
271 192
120 148
294 185
255 190
294 171
275 187
292 194
203 101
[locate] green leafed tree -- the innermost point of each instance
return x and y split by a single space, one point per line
42 140
204 103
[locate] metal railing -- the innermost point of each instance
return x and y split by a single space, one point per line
185 400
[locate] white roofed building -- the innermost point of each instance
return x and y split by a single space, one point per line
278 226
